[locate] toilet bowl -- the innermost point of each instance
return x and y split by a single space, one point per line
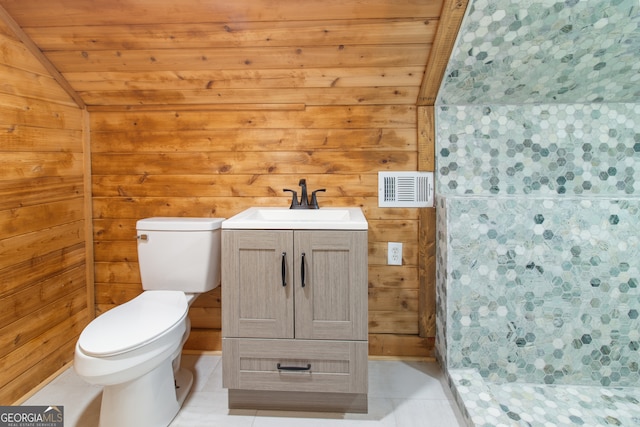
134 349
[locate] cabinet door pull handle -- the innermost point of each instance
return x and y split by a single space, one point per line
294 368
302 270
284 269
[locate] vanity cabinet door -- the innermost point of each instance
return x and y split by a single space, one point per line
257 284
331 294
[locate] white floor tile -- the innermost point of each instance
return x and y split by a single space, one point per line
209 409
81 401
380 414
202 368
401 394
406 380
426 413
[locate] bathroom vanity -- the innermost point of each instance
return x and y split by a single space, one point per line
294 309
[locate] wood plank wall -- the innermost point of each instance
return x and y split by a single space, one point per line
43 286
195 118
215 163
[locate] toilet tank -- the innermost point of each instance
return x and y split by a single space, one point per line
180 254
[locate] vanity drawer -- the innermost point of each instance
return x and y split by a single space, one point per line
295 365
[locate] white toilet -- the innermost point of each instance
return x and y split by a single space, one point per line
134 349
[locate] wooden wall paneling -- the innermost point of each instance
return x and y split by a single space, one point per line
278 33
202 339
246 58
393 322
315 117
39 165
450 19
206 96
427 227
29 330
17 249
28 299
87 211
242 185
426 138
15 54
28 272
43 289
40 86
217 163
327 77
111 294
203 111
120 249
381 276
394 299
405 345
427 295
50 350
22 138
20 221
244 139
403 230
19 111
206 312
127 12
290 162
360 53
196 206
378 250
36 53
118 272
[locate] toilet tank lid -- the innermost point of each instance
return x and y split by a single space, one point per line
179 224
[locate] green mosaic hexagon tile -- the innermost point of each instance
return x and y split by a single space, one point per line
538 223
542 290
582 149
568 51
485 404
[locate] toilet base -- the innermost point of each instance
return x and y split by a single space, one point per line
184 381
148 401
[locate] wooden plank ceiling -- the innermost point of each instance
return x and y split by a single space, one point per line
153 53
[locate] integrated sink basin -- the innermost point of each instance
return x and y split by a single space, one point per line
267 218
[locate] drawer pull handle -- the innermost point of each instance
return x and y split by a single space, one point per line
284 268
302 270
294 368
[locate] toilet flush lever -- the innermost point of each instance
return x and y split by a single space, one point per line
143 237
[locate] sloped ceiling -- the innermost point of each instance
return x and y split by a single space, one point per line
545 51
172 52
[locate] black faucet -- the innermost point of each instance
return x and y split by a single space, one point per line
304 199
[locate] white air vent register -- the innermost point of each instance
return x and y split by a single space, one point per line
405 189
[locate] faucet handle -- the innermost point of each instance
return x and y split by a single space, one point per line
314 200
294 199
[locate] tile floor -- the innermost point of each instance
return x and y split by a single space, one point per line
401 394
518 404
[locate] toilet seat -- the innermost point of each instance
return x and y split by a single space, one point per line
134 323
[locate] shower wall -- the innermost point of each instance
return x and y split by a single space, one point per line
538 242
538 193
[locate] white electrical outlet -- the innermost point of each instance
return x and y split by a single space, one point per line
394 253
